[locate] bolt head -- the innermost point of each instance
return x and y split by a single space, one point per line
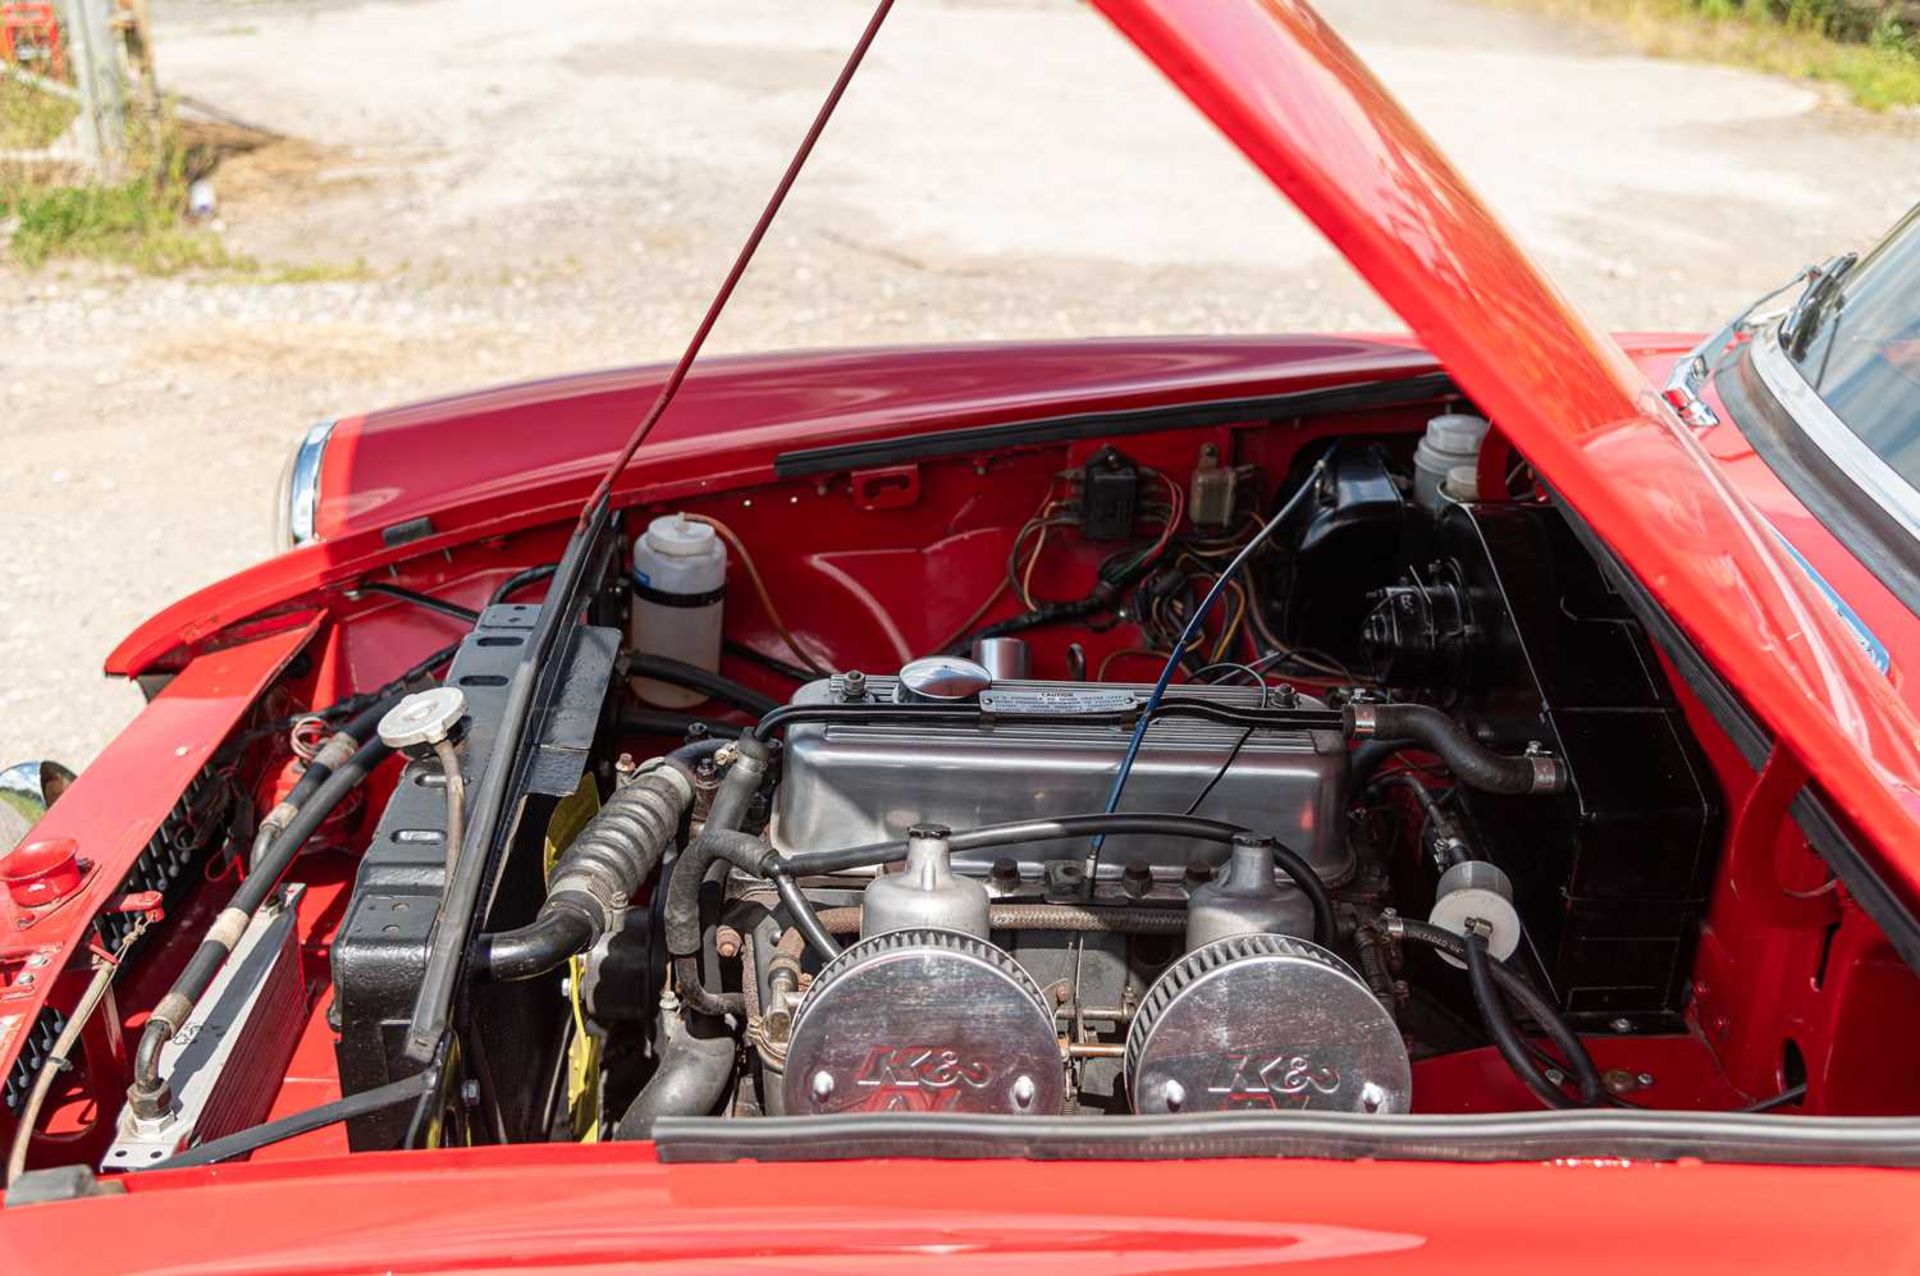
1174 1095
1645 1079
1621 1025
1023 1090
1373 1097
822 1085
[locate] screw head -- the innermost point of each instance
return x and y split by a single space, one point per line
1645 1079
822 1085
1023 1090
1373 1097
1621 1025
1174 1095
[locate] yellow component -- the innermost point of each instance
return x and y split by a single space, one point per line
583 1051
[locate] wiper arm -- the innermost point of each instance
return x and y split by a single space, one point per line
1690 374
1803 318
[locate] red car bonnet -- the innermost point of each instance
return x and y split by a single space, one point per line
1285 89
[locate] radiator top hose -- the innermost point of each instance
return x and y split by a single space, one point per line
596 877
1472 763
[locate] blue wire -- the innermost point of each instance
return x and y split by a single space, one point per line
1187 636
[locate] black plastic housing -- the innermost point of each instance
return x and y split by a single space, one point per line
380 954
1612 876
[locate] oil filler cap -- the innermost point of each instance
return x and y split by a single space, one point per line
943 678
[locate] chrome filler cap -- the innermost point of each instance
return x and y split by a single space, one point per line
943 678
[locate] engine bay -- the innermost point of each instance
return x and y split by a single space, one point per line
1273 766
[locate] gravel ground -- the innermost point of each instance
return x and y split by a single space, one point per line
541 188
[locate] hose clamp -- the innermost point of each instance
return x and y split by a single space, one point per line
1365 718
1548 775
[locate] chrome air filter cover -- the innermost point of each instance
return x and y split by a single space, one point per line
924 1020
1265 1022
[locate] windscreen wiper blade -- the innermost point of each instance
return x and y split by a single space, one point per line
1691 374
1803 317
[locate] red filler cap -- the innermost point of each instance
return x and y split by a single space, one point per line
42 872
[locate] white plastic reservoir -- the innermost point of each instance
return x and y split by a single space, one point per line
1452 439
679 583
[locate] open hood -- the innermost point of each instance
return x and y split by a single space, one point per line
1285 89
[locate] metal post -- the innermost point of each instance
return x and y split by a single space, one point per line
96 71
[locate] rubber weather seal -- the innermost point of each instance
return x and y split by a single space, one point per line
1732 1139
965 441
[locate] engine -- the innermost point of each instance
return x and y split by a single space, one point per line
1427 788
975 960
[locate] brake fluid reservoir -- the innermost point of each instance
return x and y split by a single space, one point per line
679 588
1452 439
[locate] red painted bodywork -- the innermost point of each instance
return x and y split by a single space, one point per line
615 1209
509 463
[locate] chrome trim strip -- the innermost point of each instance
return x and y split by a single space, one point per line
1682 389
1880 481
301 501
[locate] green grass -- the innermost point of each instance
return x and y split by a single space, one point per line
1876 63
138 223
30 119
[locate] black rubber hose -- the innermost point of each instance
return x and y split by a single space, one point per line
1472 763
805 920
682 929
681 674
595 878
1499 1025
692 1078
668 722
532 950
418 599
818 863
1586 1075
721 839
520 580
1300 719
1366 760
773 664
149 1092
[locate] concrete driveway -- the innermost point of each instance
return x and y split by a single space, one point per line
540 188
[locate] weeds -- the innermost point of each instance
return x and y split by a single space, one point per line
1864 50
29 118
140 222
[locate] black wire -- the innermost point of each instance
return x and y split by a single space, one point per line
1221 774
418 599
1792 1094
